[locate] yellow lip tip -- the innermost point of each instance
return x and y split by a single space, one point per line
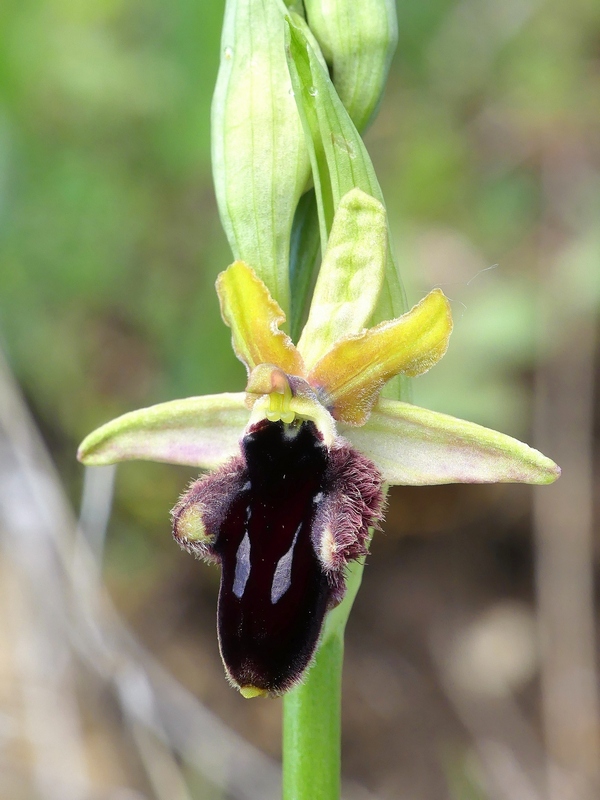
252 691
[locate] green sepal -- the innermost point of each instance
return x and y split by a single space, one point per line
201 432
414 446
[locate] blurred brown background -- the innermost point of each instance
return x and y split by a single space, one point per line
471 654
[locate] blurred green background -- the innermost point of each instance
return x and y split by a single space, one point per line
488 151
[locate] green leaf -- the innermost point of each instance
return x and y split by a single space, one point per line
413 446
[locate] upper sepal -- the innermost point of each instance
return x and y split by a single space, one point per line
350 277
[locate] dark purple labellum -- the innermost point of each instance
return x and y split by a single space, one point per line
274 592
283 520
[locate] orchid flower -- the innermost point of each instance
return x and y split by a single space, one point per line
296 463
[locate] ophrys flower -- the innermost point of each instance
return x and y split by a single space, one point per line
300 457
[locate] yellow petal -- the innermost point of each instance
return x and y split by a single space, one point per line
254 318
354 370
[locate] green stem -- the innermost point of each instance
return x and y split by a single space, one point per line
311 728
312 712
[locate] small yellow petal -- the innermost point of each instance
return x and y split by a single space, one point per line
354 370
254 318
